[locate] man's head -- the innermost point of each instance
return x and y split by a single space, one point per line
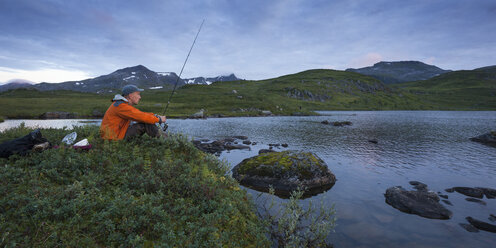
132 94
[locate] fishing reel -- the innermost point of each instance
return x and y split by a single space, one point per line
164 126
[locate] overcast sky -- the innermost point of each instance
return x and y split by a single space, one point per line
60 40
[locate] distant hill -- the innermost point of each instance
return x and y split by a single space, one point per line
401 71
113 82
16 84
473 89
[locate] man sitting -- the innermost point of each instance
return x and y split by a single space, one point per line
116 122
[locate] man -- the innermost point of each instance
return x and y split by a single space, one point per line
116 122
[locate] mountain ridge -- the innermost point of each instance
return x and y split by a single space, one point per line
113 82
392 72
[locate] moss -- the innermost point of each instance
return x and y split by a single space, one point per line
283 164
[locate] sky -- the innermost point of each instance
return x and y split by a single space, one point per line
61 40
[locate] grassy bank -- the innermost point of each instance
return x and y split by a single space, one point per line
141 193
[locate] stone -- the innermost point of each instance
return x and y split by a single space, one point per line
265 151
447 202
326 122
265 112
492 217
472 192
469 227
373 141
487 138
488 192
284 145
422 203
198 115
241 137
58 115
246 142
342 123
481 225
418 185
443 196
286 172
476 201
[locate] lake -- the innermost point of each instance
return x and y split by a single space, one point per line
432 147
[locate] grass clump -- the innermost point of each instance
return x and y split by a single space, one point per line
145 192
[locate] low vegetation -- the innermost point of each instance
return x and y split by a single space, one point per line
149 192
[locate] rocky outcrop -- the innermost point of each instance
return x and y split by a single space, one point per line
218 146
420 202
58 115
285 171
487 138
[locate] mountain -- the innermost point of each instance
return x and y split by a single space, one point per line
208 81
400 71
16 84
112 83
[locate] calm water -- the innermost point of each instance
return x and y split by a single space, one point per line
428 146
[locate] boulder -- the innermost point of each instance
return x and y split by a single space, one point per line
246 142
326 122
418 185
198 115
58 115
481 225
487 138
492 217
265 112
285 171
374 141
421 202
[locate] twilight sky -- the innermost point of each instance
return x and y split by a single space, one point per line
61 40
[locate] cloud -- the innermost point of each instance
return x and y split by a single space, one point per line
42 75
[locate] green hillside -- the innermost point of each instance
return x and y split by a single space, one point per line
295 94
458 90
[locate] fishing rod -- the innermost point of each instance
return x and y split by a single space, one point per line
177 80
164 125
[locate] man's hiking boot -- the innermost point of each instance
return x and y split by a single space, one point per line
42 146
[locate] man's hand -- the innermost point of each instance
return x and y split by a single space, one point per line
162 118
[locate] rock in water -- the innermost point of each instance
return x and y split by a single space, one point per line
469 227
285 172
487 138
472 192
476 201
488 192
481 225
422 203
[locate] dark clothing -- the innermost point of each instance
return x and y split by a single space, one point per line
139 129
21 145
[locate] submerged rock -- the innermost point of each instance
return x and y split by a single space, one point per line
342 123
472 192
481 225
487 138
418 185
421 202
285 171
476 201
489 193
218 146
469 227
492 217
447 202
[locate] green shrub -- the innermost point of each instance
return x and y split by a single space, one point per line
292 225
145 192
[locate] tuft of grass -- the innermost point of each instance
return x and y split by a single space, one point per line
142 192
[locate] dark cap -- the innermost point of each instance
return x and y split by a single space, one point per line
128 89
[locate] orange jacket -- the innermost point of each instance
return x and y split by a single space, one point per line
118 117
